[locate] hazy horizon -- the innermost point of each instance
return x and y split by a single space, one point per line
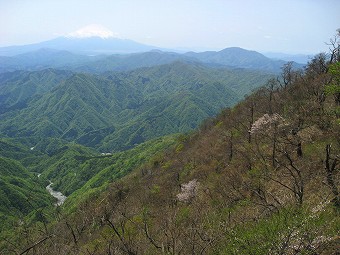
265 26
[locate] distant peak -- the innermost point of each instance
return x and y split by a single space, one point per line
234 49
92 30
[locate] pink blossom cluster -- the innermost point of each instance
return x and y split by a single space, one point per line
265 122
188 191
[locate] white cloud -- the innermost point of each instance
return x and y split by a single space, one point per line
92 30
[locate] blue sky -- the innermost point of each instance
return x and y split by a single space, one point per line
289 26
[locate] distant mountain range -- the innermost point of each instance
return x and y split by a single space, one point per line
44 58
298 58
98 55
86 46
50 58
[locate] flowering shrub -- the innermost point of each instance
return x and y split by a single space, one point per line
188 191
265 122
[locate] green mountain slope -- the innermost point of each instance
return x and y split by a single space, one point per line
19 87
16 150
116 111
131 61
239 57
13 150
77 99
74 168
20 191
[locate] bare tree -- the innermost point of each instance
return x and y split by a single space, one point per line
331 164
271 87
286 77
334 47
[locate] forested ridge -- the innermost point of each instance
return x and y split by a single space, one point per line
116 111
260 178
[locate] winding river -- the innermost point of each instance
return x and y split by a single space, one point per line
57 194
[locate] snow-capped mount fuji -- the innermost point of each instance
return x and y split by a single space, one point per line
93 30
90 40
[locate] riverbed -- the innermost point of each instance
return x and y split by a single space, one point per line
57 194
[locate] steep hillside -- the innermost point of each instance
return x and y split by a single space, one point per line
14 150
19 87
261 178
20 192
74 166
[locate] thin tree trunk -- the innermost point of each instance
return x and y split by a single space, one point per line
330 168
